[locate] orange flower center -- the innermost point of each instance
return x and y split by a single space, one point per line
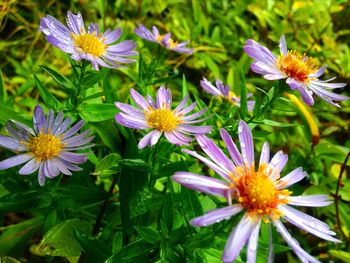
45 146
257 193
297 66
162 119
171 42
89 44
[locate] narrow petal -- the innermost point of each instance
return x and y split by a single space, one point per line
202 183
11 144
73 157
130 121
277 163
265 154
246 142
222 172
181 104
14 161
210 88
38 119
150 139
216 215
231 147
319 72
139 100
30 167
310 200
294 244
73 130
172 138
293 177
130 110
238 238
215 153
252 247
194 129
283 45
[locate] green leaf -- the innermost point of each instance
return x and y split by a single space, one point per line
104 165
60 79
278 124
93 76
7 113
15 238
96 250
149 235
167 212
20 202
47 97
135 164
191 203
243 101
3 95
60 240
345 256
97 112
136 251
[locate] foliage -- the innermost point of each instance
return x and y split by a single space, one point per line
144 215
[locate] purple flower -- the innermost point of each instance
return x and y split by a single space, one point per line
164 40
158 116
300 71
48 147
92 45
261 194
220 90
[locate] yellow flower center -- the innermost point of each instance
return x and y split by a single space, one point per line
162 120
90 44
257 193
297 66
45 146
171 42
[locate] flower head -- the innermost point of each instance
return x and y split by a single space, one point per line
48 147
158 115
260 193
92 45
300 71
164 40
220 90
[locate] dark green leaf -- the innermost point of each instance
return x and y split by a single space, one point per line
60 79
149 235
46 95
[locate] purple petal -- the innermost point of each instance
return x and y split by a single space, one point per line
246 142
283 46
14 161
231 147
150 139
76 23
252 247
210 88
41 175
202 183
294 84
275 76
57 122
73 157
163 98
111 36
130 110
194 129
264 69
181 104
38 119
306 96
291 178
194 115
143 32
30 167
308 226
73 130
223 173
216 215
63 127
130 121
215 153
326 85
310 200
293 243
259 53
11 144
277 163
265 154
172 138
238 238
139 100
319 72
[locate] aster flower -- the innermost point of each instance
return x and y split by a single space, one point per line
158 116
220 90
301 72
164 40
92 45
260 193
48 147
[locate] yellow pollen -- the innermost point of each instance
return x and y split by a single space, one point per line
297 66
45 146
171 42
257 192
90 44
162 120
